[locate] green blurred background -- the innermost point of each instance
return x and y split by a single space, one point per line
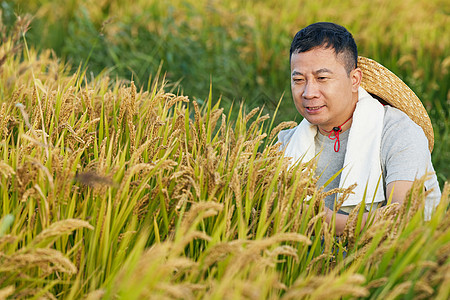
241 48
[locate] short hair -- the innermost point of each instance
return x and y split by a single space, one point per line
328 35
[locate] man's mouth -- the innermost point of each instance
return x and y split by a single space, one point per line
313 108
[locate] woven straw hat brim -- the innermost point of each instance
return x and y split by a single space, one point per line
380 81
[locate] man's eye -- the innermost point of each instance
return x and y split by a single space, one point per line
323 78
298 80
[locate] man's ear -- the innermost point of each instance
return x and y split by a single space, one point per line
356 77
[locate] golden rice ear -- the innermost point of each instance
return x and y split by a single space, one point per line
381 82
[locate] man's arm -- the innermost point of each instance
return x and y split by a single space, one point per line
341 220
398 188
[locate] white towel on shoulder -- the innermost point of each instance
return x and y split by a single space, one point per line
362 162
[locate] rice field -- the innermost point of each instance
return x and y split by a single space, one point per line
117 190
240 48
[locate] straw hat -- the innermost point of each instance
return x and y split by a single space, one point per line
379 81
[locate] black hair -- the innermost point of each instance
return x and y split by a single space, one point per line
328 35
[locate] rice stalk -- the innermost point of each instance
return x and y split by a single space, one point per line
47 260
60 228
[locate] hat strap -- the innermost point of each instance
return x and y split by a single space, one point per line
336 131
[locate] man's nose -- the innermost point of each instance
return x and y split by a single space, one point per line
311 90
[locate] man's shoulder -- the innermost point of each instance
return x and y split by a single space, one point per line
401 135
397 122
395 115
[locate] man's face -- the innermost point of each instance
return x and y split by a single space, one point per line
323 93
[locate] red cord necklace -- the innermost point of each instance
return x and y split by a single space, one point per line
336 131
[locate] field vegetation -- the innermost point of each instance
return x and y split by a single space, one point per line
118 185
241 48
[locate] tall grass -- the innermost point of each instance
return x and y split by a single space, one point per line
110 191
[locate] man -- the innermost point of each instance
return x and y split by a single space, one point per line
378 147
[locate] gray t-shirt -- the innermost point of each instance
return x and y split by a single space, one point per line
404 154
